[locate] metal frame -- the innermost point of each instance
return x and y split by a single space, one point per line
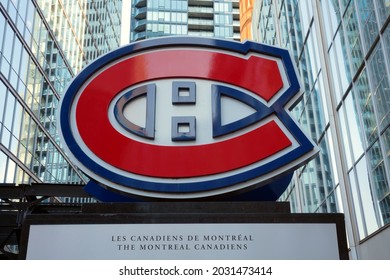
17 201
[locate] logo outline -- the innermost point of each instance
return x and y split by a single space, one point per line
153 188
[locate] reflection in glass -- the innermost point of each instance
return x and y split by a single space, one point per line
366 13
380 85
334 73
367 200
318 109
383 8
342 61
354 129
379 180
353 38
364 101
386 43
3 91
386 144
357 208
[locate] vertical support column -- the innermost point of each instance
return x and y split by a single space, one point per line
345 187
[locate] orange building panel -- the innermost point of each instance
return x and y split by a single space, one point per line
246 8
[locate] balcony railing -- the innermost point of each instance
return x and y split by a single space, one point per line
140 3
140 13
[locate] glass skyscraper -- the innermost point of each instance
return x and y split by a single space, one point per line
341 50
43 44
155 18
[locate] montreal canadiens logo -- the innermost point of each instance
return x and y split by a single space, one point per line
184 117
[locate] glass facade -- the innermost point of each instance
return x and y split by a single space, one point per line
43 44
341 50
219 18
103 27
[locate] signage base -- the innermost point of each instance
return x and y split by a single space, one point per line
186 231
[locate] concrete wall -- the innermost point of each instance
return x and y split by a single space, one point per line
377 247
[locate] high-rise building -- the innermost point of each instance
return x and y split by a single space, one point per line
103 27
341 50
206 18
246 12
43 44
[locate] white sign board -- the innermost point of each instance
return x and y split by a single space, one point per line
251 241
